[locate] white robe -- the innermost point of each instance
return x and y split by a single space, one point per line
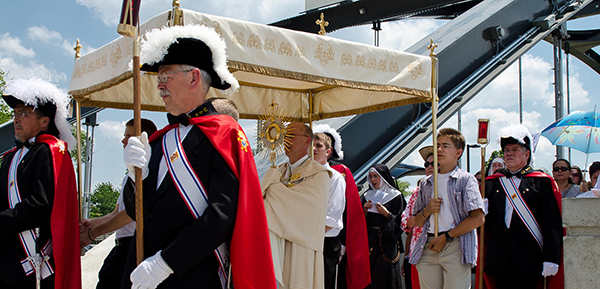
296 218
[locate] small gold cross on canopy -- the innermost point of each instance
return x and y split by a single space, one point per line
321 22
431 47
77 49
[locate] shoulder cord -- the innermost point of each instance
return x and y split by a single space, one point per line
382 253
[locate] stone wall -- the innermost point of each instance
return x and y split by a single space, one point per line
581 218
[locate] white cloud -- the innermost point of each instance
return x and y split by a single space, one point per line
41 33
15 69
109 11
411 31
54 38
111 130
11 47
579 97
106 10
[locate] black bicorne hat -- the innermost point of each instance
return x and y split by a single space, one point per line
194 45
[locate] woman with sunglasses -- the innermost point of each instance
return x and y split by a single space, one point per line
561 172
576 175
407 223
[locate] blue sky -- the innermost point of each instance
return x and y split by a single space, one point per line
37 38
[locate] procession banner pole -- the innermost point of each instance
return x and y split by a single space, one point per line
434 107
483 140
128 27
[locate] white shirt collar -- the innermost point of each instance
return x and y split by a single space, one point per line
298 162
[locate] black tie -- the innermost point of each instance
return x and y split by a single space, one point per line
526 170
21 144
182 119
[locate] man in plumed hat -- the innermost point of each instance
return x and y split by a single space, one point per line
354 268
524 218
202 199
39 239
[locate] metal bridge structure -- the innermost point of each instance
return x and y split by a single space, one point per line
480 41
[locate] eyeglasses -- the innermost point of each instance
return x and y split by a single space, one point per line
163 77
575 175
23 113
295 135
564 169
427 164
445 146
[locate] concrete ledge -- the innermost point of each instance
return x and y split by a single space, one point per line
581 218
581 213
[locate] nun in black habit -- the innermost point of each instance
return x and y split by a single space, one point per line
383 204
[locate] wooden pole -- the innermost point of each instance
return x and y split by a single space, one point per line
434 108
481 229
311 108
79 170
137 125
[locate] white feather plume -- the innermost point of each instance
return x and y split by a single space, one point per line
34 91
325 128
156 42
518 132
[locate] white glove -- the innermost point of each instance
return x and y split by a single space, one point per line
342 253
150 272
550 269
137 155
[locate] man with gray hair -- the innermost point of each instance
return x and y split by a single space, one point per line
203 216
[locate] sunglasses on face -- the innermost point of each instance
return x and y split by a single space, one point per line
427 164
564 169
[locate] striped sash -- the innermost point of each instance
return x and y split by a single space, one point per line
190 189
519 205
28 238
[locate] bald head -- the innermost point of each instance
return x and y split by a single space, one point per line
298 140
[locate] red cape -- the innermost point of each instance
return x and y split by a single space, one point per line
358 270
250 250
64 221
553 282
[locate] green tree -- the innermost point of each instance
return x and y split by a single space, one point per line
496 153
5 111
103 199
403 186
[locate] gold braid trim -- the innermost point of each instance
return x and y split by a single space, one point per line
81 93
235 65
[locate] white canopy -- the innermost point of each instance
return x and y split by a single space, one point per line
272 65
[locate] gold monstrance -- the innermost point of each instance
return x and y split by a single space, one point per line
271 129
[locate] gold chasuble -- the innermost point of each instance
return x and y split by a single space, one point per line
296 205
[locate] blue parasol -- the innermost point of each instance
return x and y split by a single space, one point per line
578 130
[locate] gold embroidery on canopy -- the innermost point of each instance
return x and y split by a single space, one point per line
324 55
346 59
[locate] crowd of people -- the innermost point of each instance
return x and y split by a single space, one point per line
209 221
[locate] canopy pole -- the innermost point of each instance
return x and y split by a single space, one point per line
310 121
129 27
79 172
137 124
434 108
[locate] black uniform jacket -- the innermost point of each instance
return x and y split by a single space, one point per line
36 185
187 244
517 244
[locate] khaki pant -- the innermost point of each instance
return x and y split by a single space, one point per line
444 270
